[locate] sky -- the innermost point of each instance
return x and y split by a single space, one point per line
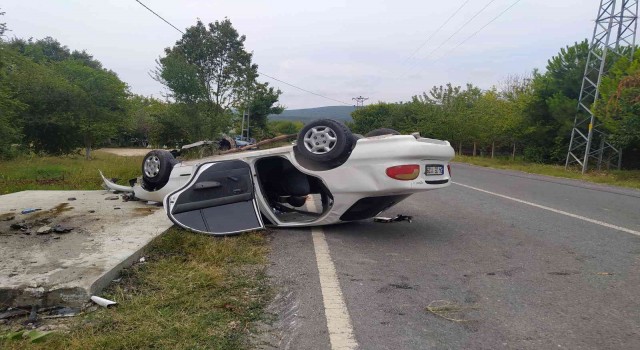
380 49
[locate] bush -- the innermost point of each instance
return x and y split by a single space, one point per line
535 154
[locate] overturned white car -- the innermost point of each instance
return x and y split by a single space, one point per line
329 176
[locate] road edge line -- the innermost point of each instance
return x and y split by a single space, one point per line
335 309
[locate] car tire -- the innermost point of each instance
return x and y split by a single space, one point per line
325 141
156 169
381 131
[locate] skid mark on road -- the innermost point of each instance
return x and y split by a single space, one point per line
338 320
583 218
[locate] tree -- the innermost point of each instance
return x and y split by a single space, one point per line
3 26
101 101
284 127
619 105
263 102
208 68
552 106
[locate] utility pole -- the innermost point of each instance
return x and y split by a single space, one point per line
360 101
246 114
615 34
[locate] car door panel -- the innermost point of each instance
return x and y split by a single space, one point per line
219 199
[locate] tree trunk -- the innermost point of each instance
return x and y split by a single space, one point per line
87 148
474 149
493 149
460 149
513 154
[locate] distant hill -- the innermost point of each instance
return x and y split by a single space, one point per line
341 113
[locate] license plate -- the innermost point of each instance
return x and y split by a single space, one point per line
434 170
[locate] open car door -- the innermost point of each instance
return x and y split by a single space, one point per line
219 199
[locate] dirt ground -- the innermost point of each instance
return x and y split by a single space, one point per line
127 152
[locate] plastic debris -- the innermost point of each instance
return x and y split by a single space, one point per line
102 301
43 230
30 210
62 229
398 217
19 226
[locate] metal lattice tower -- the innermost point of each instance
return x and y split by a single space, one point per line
360 101
614 33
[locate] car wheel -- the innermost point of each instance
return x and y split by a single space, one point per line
325 141
156 168
381 131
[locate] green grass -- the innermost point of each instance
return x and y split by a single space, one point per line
194 292
65 173
623 178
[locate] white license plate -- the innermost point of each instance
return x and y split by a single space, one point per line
434 170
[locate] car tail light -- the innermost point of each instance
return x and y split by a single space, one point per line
449 169
404 172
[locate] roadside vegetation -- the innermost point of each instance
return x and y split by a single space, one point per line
192 292
54 100
623 178
70 172
528 116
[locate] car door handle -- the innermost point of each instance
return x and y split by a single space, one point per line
206 185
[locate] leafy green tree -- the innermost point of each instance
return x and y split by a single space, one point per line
67 102
372 117
553 106
284 127
208 67
100 105
263 103
619 106
47 120
3 26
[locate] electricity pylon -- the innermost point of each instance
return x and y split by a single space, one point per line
614 33
360 101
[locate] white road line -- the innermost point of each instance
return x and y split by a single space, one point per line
597 222
335 309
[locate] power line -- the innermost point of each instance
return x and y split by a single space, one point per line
301 89
476 32
462 27
481 28
437 31
167 22
268 76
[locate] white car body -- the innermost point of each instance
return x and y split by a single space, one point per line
363 175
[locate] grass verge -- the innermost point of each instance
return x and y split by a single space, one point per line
623 178
193 292
65 173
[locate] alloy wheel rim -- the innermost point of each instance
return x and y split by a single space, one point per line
152 166
320 140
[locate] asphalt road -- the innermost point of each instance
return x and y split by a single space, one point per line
498 273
